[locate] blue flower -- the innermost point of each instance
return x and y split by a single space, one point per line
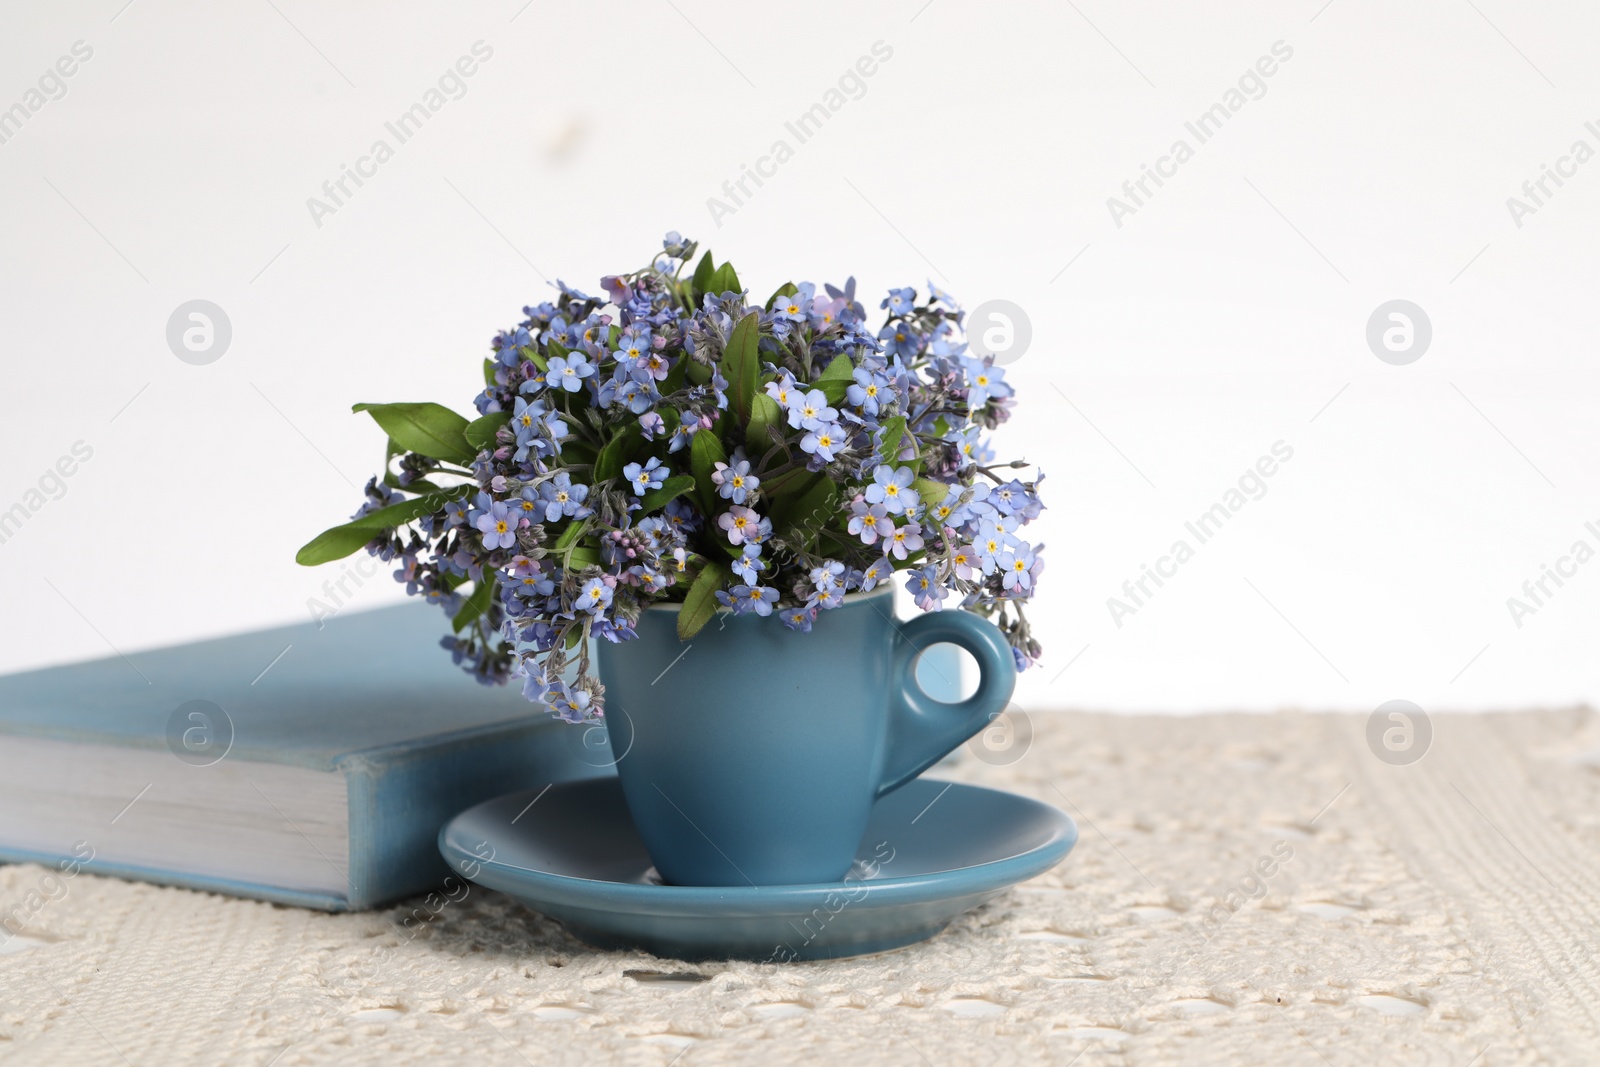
508 346
682 516
792 308
562 499
900 301
747 598
734 481
984 381
782 389
595 596
498 526
643 479
878 572
1016 566
869 521
926 589
901 340
525 418
749 565
868 391
633 345
569 372
639 396
992 539
682 435
810 411
799 619
891 487
825 441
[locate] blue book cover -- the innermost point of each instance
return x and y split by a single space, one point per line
309 765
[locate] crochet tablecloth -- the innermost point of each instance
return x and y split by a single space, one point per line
1246 889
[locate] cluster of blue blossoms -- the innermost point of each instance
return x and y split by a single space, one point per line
671 441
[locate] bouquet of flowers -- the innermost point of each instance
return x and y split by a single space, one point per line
671 441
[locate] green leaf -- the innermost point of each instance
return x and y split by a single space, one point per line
764 414
429 429
570 535
894 429
700 603
837 378
480 432
703 274
419 486
614 456
575 452
674 379
742 363
488 372
786 483
787 289
930 492
581 557
332 544
477 603
656 499
813 509
339 541
705 452
725 281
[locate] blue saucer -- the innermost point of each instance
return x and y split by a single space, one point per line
931 851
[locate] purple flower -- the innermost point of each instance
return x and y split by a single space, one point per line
906 539
739 523
869 521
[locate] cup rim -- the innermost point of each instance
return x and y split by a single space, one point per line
883 588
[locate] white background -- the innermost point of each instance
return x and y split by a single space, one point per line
1223 316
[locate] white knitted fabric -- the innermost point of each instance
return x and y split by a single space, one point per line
1443 913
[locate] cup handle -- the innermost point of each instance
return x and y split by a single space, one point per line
922 730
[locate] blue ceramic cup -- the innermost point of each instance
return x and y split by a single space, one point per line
752 755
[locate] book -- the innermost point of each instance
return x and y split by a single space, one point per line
310 765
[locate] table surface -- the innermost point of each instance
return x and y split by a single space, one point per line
1247 889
